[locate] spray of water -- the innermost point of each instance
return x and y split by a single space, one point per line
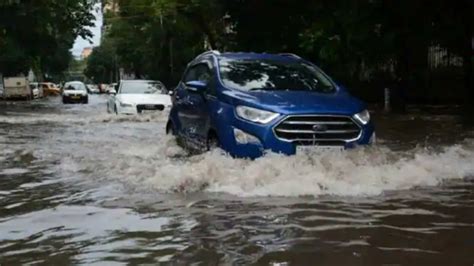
123 148
166 168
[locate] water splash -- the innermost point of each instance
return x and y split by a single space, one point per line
82 119
165 167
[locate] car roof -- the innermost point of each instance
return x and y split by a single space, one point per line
69 82
286 57
260 56
138 80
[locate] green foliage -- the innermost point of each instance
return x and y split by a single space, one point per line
101 66
155 38
39 33
359 42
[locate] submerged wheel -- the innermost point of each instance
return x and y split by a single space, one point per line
170 130
212 141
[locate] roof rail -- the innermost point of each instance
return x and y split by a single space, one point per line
290 55
214 52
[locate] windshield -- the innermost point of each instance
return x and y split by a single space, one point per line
251 74
145 87
75 87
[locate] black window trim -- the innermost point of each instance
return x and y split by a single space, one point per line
209 62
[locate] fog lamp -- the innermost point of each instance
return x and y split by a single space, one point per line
244 138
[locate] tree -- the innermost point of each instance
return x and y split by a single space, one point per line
39 33
157 38
101 66
368 44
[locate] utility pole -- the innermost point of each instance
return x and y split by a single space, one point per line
117 72
171 57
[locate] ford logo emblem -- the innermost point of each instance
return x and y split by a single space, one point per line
320 128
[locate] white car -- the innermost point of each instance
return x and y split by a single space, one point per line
75 92
139 96
93 89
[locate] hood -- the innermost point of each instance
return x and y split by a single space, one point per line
298 102
145 99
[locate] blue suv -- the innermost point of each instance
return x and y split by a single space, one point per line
248 103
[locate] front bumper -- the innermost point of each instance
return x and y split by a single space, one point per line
75 98
136 109
267 139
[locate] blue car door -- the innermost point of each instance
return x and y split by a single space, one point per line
183 104
200 102
180 106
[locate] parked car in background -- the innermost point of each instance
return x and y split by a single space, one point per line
93 89
75 92
249 103
111 88
16 88
36 90
102 88
50 89
139 96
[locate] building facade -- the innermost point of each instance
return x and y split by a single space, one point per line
86 52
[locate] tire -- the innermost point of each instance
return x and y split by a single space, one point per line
170 130
86 101
64 100
212 141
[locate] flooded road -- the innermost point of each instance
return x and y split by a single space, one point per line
80 186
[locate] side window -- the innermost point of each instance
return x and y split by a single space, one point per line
190 74
202 72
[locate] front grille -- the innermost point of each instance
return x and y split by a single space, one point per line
318 130
150 107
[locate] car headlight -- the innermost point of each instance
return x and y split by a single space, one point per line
255 115
125 104
363 117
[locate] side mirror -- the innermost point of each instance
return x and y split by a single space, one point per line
196 86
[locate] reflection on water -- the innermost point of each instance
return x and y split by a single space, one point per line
79 186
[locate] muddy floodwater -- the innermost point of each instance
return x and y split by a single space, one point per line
80 186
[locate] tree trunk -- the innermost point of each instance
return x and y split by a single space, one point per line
468 61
